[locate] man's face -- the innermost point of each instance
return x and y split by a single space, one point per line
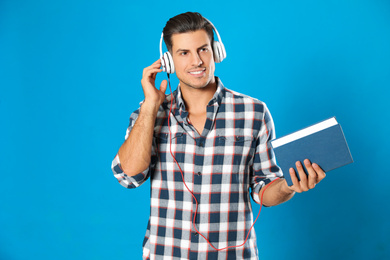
193 58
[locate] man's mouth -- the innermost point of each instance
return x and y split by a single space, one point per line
197 72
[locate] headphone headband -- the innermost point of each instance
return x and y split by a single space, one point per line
161 40
219 38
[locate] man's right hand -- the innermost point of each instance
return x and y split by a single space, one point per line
135 153
153 97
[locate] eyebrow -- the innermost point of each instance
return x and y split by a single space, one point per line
204 45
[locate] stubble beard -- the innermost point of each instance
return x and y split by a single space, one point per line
193 86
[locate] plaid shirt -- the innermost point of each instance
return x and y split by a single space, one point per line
231 157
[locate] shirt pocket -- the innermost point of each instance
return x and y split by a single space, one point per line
165 143
163 137
234 153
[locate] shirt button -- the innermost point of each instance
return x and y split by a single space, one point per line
201 144
199 173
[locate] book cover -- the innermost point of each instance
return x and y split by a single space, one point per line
323 143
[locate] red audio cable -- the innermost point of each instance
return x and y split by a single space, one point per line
192 194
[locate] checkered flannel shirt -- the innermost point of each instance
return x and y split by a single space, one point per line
231 157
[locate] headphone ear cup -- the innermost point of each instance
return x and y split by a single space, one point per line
163 66
218 52
168 63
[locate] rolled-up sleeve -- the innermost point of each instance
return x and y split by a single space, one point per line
123 179
265 169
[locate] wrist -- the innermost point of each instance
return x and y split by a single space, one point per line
284 188
150 108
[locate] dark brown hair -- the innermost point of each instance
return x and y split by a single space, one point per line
186 22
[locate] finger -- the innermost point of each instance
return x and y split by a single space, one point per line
150 74
154 75
296 186
156 64
302 176
320 173
163 86
312 178
149 71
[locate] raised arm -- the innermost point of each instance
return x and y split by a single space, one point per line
135 152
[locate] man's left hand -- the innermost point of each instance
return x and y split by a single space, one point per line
306 182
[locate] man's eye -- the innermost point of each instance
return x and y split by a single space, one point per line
183 53
204 49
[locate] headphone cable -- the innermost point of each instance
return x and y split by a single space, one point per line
192 194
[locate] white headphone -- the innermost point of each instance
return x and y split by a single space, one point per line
167 61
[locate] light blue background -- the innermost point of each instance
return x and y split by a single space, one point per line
70 76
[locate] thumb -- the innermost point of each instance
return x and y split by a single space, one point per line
163 86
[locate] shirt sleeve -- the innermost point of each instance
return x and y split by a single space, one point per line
265 169
138 179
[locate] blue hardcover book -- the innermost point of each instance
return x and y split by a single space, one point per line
323 143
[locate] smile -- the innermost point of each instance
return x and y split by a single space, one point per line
198 72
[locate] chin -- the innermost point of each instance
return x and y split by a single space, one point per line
197 84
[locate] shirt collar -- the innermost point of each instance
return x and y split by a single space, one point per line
217 97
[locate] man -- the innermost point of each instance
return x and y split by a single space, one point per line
204 148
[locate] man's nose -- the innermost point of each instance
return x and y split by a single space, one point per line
196 60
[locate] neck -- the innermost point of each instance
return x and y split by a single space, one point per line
196 100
